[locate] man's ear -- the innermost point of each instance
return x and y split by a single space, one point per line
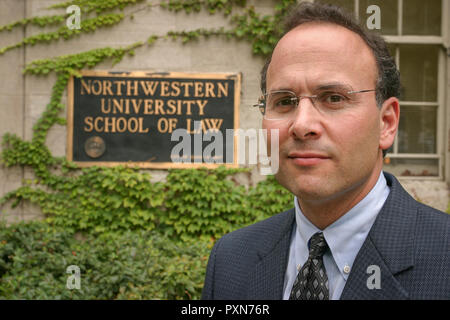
389 120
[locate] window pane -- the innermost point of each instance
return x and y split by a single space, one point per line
419 70
349 5
417 129
422 17
388 12
412 167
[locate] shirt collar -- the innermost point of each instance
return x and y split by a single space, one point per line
346 235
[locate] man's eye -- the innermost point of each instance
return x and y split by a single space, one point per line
285 102
332 98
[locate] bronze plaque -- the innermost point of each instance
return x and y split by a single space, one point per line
133 118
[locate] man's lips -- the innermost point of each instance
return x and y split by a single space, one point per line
307 158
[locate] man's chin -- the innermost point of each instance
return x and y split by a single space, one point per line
308 185
305 183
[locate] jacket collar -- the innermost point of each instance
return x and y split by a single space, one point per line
394 228
267 279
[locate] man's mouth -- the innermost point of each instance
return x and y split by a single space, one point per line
307 158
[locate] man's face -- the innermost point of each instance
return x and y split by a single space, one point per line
323 156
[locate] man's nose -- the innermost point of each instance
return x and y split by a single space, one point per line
306 123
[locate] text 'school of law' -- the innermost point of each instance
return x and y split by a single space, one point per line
126 89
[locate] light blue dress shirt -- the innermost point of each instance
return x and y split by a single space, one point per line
345 237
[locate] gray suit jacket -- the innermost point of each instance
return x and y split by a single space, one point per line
409 242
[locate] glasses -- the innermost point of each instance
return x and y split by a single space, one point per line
282 104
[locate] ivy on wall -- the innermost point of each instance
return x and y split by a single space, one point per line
190 203
87 25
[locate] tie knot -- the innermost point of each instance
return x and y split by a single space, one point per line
317 245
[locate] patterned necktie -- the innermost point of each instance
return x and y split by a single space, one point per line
312 281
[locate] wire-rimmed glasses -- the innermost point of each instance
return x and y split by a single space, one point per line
282 104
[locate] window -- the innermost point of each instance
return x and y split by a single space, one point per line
413 31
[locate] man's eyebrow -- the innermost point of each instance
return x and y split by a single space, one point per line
334 86
321 87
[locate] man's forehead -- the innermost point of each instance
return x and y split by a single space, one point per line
329 45
325 34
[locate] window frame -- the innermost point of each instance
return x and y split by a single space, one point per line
441 40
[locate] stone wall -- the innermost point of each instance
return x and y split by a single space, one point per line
12 97
23 98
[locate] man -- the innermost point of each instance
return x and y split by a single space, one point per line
331 89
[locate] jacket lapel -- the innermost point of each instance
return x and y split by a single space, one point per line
267 280
363 284
388 249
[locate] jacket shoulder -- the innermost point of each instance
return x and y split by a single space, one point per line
264 230
433 228
426 225
235 256
420 234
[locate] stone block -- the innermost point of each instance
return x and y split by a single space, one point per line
431 192
11 120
